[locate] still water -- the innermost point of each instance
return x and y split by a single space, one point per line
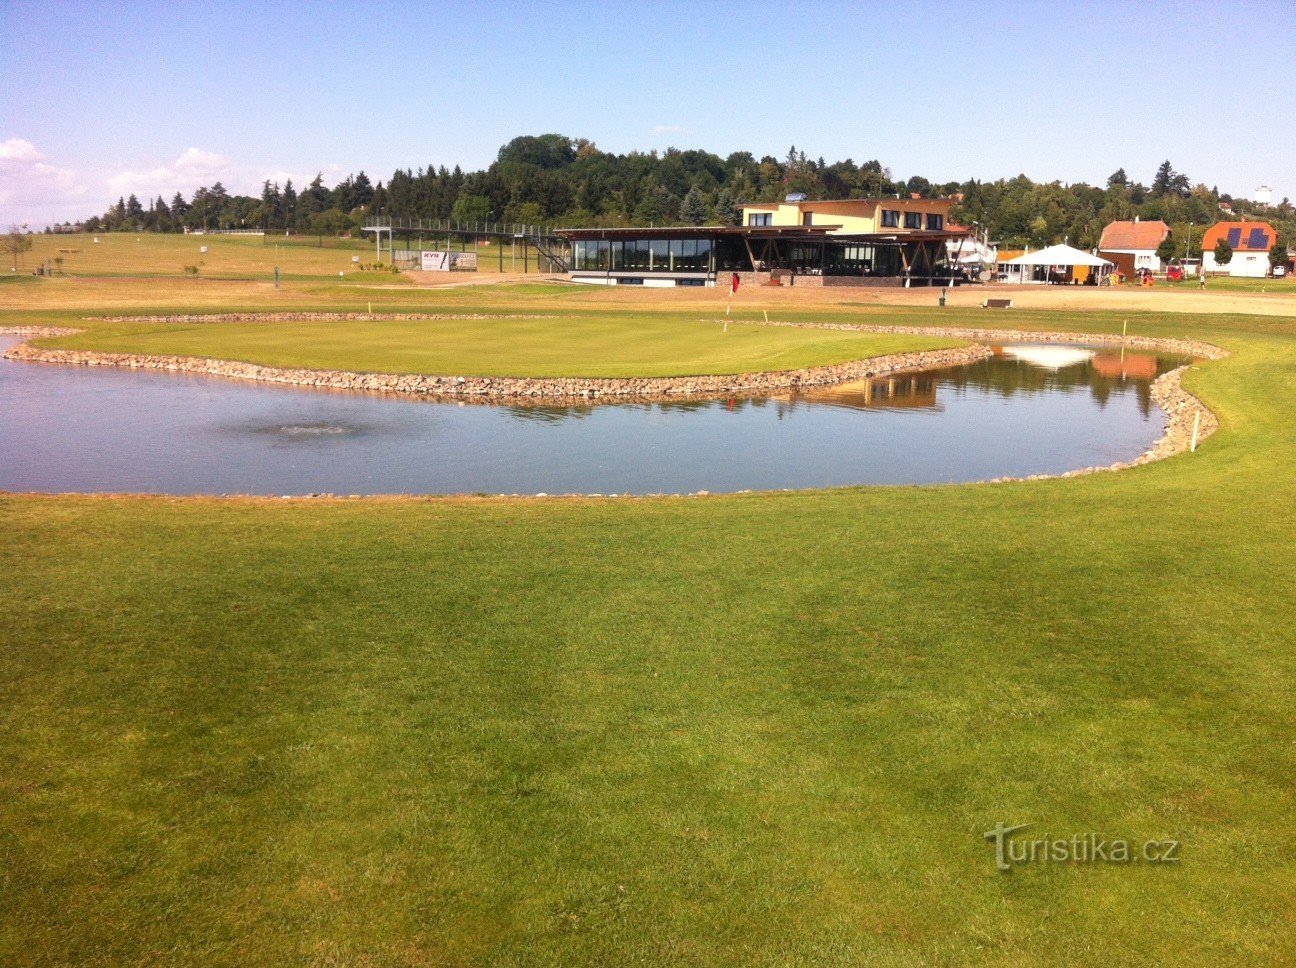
1029 410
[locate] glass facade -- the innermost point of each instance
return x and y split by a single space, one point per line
631 259
641 255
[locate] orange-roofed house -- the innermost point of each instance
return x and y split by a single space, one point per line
1133 245
1251 242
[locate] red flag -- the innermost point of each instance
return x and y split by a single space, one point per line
733 286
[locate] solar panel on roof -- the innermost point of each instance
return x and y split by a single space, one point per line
1258 239
1235 237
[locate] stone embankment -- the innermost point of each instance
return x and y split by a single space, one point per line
310 317
1164 344
515 389
36 331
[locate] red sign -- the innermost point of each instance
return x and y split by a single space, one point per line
733 286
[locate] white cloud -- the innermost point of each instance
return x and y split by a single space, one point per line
200 168
33 190
192 169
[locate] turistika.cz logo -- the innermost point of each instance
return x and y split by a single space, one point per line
1082 848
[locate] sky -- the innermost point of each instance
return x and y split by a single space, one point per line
102 100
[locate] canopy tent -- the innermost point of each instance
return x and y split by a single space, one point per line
1058 264
1058 255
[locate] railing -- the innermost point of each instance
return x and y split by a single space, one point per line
513 229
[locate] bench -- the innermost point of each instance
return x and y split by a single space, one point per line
997 304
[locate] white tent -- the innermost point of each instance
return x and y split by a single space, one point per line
1057 263
1058 255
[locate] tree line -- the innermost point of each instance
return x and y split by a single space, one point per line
558 181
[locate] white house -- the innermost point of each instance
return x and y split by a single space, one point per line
1133 245
1251 242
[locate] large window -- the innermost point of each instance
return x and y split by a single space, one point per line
591 255
913 220
643 255
659 255
935 223
634 256
890 218
758 219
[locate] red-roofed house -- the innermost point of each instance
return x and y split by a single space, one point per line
1133 245
1251 242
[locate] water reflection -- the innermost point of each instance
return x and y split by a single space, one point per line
1012 370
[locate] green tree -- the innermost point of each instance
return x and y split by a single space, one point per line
1223 253
693 210
1278 254
726 209
16 243
329 222
1167 249
471 208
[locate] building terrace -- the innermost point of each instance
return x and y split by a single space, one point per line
897 242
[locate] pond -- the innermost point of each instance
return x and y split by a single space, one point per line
1028 410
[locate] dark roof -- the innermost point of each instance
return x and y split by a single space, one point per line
810 233
873 199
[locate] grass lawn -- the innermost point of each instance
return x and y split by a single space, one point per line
127 254
759 729
604 345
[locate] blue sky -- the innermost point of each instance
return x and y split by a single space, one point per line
104 99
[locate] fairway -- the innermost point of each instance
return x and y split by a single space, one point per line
299 257
760 729
606 345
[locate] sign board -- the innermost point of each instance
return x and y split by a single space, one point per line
434 261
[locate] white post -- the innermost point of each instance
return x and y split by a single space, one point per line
1196 428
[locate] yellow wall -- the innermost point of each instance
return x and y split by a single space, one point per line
855 216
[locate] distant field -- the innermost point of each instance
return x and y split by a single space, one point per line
1286 284
227 256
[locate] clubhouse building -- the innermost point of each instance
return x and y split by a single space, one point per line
847 242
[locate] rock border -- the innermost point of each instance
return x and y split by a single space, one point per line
1170 344
311 317
523 389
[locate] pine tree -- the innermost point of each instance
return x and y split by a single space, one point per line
1165 176
726 209
693 210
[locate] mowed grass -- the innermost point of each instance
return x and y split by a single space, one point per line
757 729
603 345
227 257
237 256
